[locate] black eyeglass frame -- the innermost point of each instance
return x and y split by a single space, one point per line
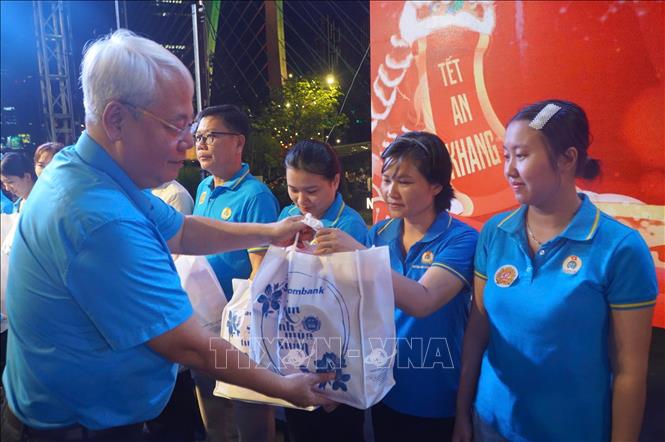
206 137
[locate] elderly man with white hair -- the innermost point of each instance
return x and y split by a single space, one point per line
98 319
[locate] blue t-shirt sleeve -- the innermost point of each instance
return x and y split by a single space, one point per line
631 275
127 284
262 208
167 219
354 227
456 255
482 249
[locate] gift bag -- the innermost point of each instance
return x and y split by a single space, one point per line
236 322
327 313
203 289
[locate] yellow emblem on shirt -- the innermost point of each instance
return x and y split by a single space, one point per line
505 275
202 198
571 265
427 258
226 213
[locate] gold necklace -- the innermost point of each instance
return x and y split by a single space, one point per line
532 236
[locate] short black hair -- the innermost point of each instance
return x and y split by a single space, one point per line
17 164
430 156
233 117
568 127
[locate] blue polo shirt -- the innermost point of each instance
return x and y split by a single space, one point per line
242 199
427 367
546 371
92 281
339 216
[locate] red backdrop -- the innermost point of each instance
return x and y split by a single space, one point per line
461 69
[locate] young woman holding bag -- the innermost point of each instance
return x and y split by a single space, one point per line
313 174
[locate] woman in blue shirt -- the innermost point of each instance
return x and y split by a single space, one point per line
558 337
313 174
431 256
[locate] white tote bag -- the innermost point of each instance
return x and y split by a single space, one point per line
203 289
236 323
327 313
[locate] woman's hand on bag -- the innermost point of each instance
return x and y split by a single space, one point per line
334 240
282 233
303 389
463 431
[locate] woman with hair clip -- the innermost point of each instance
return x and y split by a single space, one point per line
431 256
18 176
313 175
558 338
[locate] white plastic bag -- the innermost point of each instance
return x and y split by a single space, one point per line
8 224
203 289
327 313
236 321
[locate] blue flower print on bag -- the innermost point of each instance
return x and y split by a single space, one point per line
271 298
328 363
233 324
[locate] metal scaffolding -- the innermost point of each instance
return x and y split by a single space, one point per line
53 35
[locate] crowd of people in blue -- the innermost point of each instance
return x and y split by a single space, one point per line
546 313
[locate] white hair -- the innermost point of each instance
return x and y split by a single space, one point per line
125 67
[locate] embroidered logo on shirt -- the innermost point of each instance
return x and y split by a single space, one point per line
505 275
572 264
427 258
226 213
202 198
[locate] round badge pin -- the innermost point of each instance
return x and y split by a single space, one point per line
505 275
572 264
427 258
226 213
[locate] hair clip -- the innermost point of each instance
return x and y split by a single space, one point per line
540 120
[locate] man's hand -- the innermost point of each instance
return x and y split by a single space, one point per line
283 233
334 240
303 391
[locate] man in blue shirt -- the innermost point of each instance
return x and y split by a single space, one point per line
231 194
97 315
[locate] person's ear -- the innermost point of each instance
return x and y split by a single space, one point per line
335 181
568 160
241 142
436 188
113 118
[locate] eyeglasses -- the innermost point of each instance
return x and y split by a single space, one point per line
209 138
181 131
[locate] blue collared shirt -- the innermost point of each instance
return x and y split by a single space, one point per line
339 216
6 205
242 199
92 281
427 367
546 372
